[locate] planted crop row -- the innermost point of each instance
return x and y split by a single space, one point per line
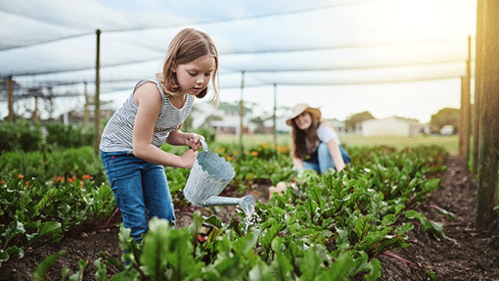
33 212
44 195
328 227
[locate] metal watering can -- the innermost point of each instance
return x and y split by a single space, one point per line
209 175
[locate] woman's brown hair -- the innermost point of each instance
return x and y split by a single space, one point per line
188 45
299 138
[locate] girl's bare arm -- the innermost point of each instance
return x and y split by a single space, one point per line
148 99
334 150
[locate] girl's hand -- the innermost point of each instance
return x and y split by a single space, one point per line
188 159
192 140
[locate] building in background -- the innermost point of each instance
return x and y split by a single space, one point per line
339 126
391 126
230 122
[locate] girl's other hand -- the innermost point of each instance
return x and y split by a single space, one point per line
193 142
188 158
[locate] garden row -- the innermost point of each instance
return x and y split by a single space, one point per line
332 226
24 135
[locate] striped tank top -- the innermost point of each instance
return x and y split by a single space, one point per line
118 133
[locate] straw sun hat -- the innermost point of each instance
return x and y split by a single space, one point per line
300 108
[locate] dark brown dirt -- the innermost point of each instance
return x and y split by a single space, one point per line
467 255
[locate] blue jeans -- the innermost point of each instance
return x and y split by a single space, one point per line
141 190
325 159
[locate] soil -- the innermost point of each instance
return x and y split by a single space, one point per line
467 254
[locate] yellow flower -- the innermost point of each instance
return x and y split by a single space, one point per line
235 152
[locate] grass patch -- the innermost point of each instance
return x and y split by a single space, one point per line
449 143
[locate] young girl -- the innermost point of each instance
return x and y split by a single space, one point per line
152 115
315 144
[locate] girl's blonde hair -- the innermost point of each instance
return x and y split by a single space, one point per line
299 138
188 45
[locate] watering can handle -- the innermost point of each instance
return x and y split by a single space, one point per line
205 146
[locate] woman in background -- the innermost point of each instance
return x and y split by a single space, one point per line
314 143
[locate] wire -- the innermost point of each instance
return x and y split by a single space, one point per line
197 23
295 50
408 80
251 17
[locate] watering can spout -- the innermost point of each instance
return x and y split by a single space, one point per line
247 203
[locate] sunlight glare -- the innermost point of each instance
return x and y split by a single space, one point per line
423 18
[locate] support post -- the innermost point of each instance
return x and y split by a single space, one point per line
478 85
97 97
241 115
34 118
461 119
85 108
10 90
489 119
467 104
274 129
464 116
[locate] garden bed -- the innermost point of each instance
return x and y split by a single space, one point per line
468 254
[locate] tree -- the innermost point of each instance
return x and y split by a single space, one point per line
446 116
259 122
353 120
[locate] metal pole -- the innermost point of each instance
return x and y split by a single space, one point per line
274 130
241 115
97 97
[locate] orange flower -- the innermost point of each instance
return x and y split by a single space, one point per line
254 153
20 176
70 180
235 152
86 177
2 182
201 238
26 183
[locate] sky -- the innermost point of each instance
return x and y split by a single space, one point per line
388 57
